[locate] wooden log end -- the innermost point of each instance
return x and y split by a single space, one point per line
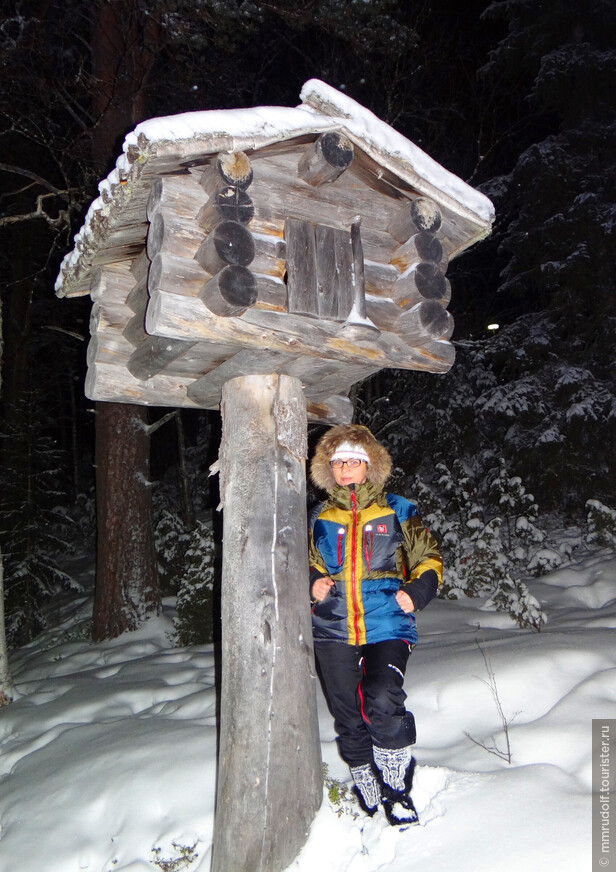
420 214
228 168
229 244
425 281
228 204
230 292
326 159
427 320
426 215
423 247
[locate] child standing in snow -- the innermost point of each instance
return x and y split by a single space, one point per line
372 564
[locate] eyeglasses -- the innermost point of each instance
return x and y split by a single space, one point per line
353 463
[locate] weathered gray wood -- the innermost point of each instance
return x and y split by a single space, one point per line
302 279
269 771
227 204
170 232
229 243
134 330
270 255
425 319
358 326
271 293
108 316
278 193
334 267
230 292
154 354
187 318
325 159
379 277
140 267
138 297
206 390
423 281
179 194
420 214
108 382
423 246
179 275
112 282
334 410
227 169
320 270
108 348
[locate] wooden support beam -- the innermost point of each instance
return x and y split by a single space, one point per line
325 159
154 354
207 390
113 383
269 769
187 318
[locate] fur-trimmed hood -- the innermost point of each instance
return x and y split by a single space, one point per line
380 464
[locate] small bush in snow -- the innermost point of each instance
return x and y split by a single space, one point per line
485 557
601 522
195 600
171 541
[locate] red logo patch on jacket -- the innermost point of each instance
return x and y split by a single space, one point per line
381 528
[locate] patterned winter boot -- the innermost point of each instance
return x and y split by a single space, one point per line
367 788
396 772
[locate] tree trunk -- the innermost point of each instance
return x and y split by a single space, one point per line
269 770
126 589
126 571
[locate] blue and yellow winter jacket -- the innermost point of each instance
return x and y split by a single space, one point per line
371 544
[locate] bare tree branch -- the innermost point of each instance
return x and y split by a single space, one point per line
28 174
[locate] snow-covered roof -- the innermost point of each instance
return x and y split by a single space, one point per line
158 142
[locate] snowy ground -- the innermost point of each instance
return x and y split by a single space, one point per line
107 758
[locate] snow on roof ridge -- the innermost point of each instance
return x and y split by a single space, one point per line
388 142
323 108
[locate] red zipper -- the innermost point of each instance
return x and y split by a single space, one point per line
353 562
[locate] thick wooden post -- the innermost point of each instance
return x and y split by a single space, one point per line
269 769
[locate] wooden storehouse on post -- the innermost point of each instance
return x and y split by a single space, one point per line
263 261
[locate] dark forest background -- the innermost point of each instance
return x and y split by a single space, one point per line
516 442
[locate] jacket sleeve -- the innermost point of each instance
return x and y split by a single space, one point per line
424 563
316 567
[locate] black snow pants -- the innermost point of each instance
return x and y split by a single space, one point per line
363 686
